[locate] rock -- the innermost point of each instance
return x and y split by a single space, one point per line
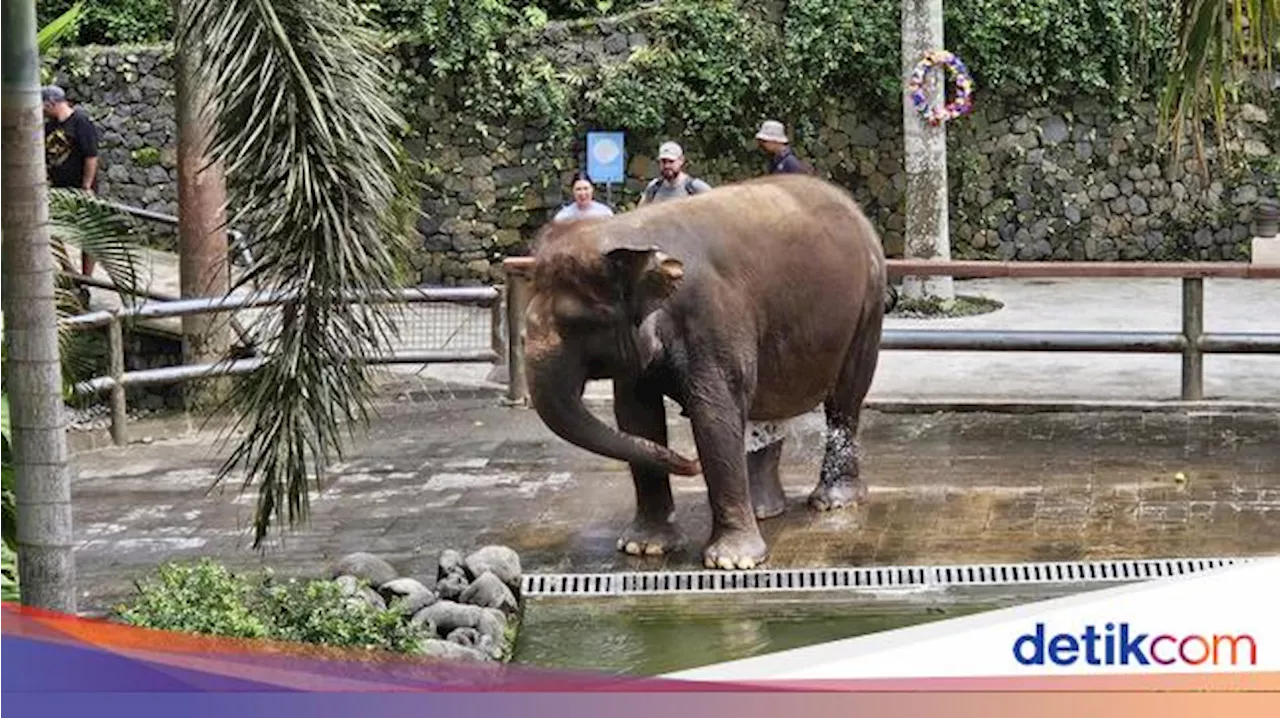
468 637
1054 130
373 597
1137 205
1109 191
448 615
1248 194
450 561
499 560
488 591
448 650
402 587
451 587
350 585
364 566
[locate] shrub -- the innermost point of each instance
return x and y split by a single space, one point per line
206 598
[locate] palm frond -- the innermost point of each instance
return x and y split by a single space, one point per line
1219 41
303 122
82 219
59 28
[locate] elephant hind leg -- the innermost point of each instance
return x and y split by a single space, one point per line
840 482
767 496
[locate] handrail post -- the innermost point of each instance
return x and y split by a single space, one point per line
1192 331
517 300
119 406
500 373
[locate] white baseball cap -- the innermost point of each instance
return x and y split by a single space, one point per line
670 151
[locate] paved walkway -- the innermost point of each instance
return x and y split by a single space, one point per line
944 489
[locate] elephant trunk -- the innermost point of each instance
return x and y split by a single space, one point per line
557 380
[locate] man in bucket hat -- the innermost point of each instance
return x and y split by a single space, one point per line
673 183
772 138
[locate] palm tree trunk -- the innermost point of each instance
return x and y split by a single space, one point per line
203 268
46 561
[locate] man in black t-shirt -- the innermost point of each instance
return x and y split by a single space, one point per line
70 148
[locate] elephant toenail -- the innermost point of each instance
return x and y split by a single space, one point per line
746 564
633 547
653 550
725 563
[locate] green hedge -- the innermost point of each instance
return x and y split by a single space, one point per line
713 67
206 598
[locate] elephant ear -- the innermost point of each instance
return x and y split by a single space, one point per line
646 276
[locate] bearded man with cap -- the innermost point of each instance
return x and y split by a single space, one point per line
673 183
772 138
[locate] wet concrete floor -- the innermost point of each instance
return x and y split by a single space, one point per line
945 488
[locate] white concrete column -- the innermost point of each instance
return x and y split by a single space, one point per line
925 155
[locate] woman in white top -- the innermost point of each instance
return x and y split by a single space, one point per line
583 204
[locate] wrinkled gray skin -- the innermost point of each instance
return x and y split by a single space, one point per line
755 301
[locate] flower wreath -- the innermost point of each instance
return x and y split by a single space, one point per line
963 101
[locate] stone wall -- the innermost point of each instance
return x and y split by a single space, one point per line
1027 183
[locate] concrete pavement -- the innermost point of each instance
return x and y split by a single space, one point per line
945 488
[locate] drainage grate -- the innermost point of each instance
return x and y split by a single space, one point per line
878 577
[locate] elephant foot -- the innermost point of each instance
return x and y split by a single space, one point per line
650 538
838 494
736 550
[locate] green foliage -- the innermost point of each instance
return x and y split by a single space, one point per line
702 70
714 68
115 22
8 504
206 598
1048 50
145 156
9 587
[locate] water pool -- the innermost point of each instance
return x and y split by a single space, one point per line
655 635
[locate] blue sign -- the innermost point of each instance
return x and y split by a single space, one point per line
606 157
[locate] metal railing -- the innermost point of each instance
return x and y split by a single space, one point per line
117 379
507 305
1192 342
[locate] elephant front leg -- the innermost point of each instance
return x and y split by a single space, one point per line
735 542
639 410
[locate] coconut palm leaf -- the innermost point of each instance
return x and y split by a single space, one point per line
59 28
303 121
78 218
1219 42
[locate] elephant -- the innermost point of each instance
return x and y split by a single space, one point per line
748 304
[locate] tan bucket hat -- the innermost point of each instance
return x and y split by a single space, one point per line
772 131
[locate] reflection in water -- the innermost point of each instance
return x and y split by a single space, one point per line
652 636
